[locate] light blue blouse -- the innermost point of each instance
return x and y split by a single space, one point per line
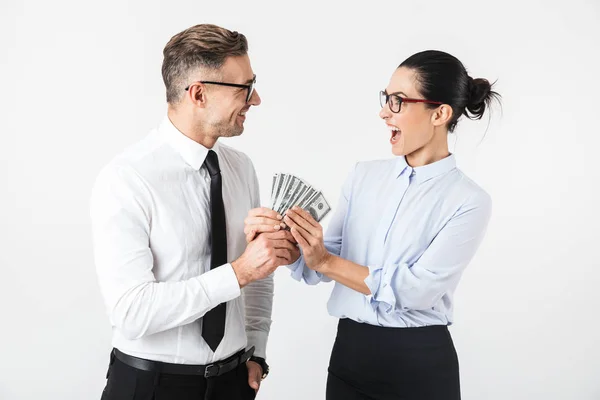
416 229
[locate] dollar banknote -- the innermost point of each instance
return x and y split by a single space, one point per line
288 191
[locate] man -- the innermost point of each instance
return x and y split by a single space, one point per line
170 250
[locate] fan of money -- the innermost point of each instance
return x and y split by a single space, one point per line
289 190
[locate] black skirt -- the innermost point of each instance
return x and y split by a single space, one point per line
373 362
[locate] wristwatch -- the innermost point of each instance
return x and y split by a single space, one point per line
263 364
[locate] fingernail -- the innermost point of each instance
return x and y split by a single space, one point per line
295 208
279 216
277 227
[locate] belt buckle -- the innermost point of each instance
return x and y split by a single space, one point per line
208 371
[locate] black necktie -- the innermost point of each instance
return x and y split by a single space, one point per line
213 322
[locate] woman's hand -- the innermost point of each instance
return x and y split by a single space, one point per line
309 235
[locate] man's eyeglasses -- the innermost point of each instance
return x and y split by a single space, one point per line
249 88
395 101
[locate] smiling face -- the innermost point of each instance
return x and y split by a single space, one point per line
226 106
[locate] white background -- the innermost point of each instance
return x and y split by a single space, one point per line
79 81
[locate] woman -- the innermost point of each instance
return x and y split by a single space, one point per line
403 232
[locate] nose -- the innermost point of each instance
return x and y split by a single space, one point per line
385 112
254 99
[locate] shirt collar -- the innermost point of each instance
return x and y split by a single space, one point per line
402 166
193 153
426 172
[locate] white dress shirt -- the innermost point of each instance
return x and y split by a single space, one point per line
150 212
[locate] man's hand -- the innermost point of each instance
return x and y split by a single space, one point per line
255 374
263 255
261 220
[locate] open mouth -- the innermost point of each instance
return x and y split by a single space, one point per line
395 132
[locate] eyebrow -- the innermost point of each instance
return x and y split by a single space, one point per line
402 93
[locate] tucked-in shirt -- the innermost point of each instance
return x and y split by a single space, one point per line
150 212
416 229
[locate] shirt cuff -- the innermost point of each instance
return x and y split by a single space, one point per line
258 339
378 282
297 268
221 284
299 272
373 280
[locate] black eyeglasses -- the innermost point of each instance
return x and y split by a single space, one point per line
395 101
249 87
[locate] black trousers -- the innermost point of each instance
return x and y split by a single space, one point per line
372 362
127 383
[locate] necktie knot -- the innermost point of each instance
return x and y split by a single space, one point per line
212 163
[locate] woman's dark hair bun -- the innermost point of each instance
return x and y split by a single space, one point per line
480 97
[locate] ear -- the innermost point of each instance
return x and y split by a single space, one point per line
197 94
442 115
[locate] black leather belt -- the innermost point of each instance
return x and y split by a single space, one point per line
208 371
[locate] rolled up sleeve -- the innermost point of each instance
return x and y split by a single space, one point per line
401 286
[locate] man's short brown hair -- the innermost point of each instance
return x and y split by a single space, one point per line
201 46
